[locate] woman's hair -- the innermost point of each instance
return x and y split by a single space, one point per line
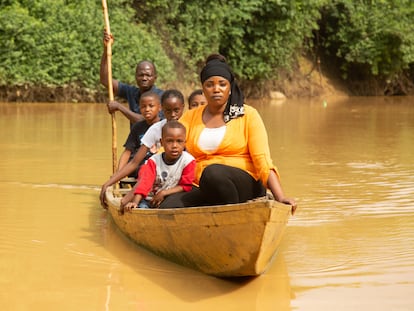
172 93
194 94
220 57
216 66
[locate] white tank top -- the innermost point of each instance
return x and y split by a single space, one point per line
211 138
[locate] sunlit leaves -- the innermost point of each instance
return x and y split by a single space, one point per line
53 42
377 34
60 41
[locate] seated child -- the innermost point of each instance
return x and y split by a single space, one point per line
196 99
165 173
172 104
149 106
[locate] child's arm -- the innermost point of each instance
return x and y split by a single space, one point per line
187 176
184 184
160 195
129 196
131 115
127 169
123 159
133 204
145 182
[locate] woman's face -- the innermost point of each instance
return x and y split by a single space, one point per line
216 89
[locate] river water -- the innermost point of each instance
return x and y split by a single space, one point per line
349 162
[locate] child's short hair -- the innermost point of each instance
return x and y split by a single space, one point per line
173 124
172 93
150 94
194 94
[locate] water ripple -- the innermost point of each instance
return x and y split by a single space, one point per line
367 189
53 185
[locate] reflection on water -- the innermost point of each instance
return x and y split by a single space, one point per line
349 163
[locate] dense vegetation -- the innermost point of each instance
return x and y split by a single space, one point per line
371 41
58 43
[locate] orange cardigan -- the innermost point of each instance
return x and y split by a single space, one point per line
245 144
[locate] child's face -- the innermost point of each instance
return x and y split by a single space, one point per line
197 100
173 141
150 108
173 108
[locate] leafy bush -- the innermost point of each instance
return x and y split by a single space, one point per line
377 37
257 36
60 42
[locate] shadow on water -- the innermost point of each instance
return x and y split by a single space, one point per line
184 283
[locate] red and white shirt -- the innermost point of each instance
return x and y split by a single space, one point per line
156 175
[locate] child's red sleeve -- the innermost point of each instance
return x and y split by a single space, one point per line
146 178
187 176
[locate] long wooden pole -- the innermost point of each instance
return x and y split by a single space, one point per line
110 88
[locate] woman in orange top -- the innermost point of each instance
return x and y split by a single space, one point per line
229 142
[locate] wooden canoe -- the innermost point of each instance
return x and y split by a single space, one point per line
225 241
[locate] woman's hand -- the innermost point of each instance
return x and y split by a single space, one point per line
274 184
291 202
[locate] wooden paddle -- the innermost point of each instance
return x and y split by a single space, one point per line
110 88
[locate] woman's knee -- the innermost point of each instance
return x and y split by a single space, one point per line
213 172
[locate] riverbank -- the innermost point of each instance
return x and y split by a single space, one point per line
306 80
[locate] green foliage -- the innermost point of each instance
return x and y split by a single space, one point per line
59 42
377 35
271 36
51 42
133 43
257 36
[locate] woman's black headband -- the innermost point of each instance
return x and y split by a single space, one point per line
216 67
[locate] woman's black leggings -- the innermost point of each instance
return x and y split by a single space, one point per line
219 184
